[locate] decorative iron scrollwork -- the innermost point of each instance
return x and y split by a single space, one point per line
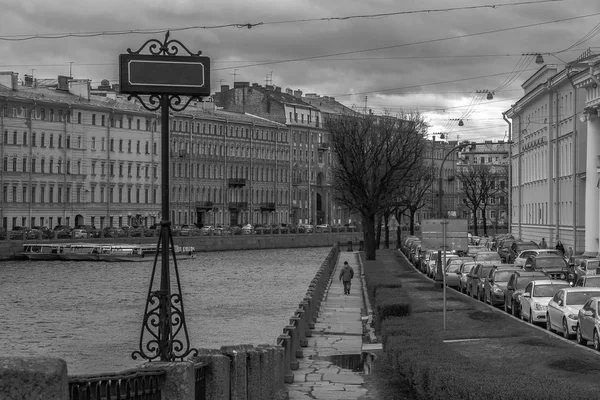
165 48
176 344
153 102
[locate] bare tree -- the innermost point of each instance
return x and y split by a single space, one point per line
416 194
479 184
374 155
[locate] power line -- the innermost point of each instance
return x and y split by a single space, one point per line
64 35
415 43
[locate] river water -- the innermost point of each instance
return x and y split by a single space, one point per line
90 313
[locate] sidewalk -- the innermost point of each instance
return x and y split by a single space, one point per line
330 368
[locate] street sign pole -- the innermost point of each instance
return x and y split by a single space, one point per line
164 77
444 228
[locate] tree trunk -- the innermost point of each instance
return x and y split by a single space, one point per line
484 217
378 230
369 235
412 224
475 231
386 231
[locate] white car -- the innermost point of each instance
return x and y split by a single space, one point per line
247 229
536 296
588 326
563 309
520 259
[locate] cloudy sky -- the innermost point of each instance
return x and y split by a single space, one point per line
439 57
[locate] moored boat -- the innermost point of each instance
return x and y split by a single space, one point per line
42 251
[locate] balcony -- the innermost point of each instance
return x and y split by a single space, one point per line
296 182
236 182
180 153
240 205
267 206
323 146
204 204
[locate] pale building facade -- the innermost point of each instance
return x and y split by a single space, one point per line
549 177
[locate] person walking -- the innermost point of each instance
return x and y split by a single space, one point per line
346 275
569 254
543 244
560 247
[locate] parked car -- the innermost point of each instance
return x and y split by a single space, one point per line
588 323
452 270
433 266
563 309
508 254
472 250
323 228
586 267
113 232
494 286
503 246
465 268
588 281
554 265
79 233
247 229
514 289
536 296
522 256
44 231
207 230
487 256
308 228
476 278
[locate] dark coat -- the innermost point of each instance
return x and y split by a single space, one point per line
347 273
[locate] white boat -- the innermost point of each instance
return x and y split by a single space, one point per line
42 251
110 252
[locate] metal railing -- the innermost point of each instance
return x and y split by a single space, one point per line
136 385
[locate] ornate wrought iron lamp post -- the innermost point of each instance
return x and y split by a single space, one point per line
164 77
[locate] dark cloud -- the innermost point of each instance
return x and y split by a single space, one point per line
414 68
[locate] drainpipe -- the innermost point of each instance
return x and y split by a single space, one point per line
520 177
30 117
2 161
509 172
556 166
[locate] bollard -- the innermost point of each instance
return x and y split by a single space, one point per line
300 338
349 245
305 307
285 342
293 333
311 310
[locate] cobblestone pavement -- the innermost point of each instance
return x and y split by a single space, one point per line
330 368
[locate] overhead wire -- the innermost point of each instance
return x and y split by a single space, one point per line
23 37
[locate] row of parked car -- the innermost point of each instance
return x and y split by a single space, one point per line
529 289
87 231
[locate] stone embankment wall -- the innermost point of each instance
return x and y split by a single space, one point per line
11 249
243 372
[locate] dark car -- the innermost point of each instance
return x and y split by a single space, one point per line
495 283
509 254
476 278
503 246
517 283
45 232
553 264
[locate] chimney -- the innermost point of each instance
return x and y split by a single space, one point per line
28 80
270 87
298 93
80 87
241 84
277 89
224 88
9 79
63 83
434 138
255 84
289 91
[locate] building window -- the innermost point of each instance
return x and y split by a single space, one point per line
103 120
93 119
120 145
79 118
93 143
129 146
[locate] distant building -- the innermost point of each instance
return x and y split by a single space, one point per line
311 158
73 155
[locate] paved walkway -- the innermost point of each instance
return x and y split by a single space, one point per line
336 340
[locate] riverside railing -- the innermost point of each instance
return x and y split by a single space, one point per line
295 335
134 385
